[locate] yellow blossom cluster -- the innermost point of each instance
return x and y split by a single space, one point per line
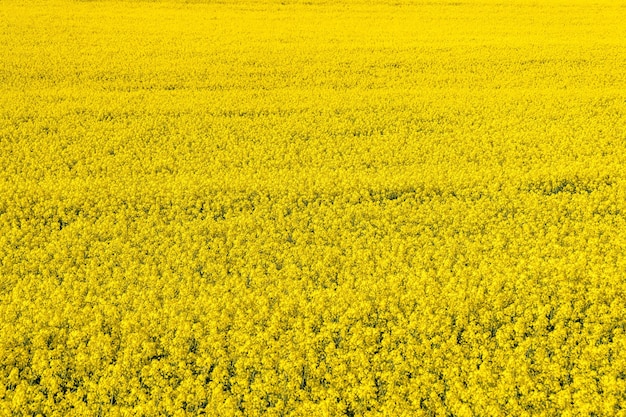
313 208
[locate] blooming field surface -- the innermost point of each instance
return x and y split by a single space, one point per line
343 208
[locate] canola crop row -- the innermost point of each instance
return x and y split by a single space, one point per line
357 208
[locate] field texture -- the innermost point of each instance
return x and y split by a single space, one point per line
342 208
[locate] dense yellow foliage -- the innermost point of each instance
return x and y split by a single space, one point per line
311 208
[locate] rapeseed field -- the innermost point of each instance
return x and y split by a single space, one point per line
313 208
